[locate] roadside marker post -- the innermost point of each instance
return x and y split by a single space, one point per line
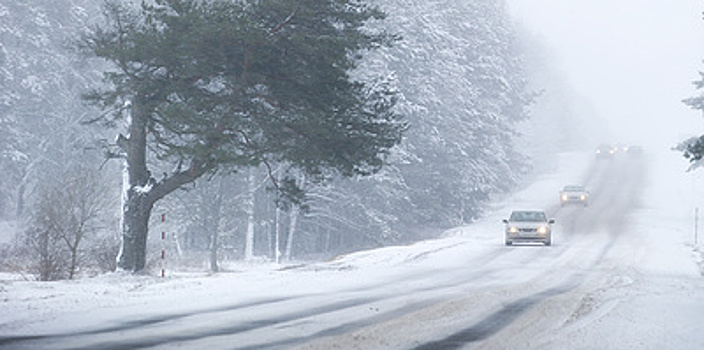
163 245
696 226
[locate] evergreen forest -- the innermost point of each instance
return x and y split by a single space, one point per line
398 120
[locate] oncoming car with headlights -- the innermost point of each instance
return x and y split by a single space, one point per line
528 226
605 151
574 194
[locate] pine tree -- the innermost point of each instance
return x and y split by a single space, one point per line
210 84
693 148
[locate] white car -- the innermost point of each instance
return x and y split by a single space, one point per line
574 194
605 151
528 226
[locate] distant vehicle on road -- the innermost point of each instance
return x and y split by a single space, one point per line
574 194
605 151
528 226
634 151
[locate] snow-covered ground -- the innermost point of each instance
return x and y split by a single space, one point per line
612 280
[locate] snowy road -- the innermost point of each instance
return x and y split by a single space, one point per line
540 288
612 279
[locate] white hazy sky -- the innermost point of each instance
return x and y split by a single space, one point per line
634 60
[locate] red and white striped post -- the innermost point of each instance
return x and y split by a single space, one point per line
163 245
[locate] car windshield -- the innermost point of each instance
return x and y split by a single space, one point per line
528 216
574 189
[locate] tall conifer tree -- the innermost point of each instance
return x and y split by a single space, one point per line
204 85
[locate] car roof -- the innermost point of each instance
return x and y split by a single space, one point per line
528 215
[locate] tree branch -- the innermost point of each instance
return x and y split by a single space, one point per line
283 24
175 181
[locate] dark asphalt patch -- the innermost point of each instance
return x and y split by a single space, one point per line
498 320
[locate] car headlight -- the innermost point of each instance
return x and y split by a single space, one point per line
583 197
542 230
513 229
564 197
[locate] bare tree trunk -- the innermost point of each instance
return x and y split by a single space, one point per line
277 235
293 215
135 226
291 232
136 209
72 241
141 191
20 200
249 239
277 228
47 268
177 243
214 253
74 262
214 227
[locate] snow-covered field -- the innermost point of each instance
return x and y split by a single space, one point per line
639 288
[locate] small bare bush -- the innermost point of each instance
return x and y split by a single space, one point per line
65 217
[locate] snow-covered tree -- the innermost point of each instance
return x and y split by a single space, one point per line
462 83
693 148
41 80
211 84
464 92
457 72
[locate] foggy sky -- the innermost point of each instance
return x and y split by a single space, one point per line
634 60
